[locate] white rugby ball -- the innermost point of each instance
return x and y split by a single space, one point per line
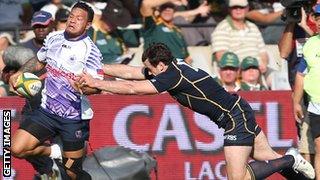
28 84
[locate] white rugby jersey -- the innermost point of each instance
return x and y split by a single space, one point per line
65 59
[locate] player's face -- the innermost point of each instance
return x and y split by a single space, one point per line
250 75
154 70
167 14
77 22
228 75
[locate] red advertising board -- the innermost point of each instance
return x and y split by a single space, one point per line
186 145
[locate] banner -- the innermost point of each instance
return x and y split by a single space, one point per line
186 145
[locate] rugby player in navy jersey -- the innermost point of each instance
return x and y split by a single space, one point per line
198 91
65 54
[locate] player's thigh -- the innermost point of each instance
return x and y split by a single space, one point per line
262 149
22 140
30 134
74 134
236 160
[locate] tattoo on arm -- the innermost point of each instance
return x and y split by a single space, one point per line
32 65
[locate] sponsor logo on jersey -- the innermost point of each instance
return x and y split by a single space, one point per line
66 46
78 134
59 72
230 137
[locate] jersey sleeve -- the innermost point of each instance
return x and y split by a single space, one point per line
94 65
302 66
165 81
42 53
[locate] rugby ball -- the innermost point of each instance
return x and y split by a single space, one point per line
28 84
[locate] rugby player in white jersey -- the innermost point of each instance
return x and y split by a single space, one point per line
65 55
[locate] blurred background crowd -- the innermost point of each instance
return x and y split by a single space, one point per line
244 44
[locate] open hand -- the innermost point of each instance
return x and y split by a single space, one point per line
86 79
13 80
75 84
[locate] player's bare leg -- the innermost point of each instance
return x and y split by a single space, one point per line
262 150
236 164
23 143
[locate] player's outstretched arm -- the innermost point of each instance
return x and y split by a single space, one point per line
124 71
118 87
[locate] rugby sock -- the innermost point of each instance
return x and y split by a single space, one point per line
263 169
55 152
42 164
290 174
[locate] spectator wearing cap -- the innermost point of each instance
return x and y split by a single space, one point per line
61 18
238 35
160 28
108 38
250 75
42 25
229 70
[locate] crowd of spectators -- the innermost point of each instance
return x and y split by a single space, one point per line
234 29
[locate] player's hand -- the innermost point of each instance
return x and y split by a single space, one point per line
86 79
298 112
13 82
75 84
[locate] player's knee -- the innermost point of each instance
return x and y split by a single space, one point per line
17 151
238 175
235 176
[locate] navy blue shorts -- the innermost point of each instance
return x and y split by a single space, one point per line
314 125
241 128
44 125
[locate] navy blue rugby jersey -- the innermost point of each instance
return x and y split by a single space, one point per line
197 90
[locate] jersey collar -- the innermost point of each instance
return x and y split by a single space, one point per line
74 39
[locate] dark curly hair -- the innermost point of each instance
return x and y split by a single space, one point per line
157 52
84 6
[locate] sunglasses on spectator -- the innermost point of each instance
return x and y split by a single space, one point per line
238 7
